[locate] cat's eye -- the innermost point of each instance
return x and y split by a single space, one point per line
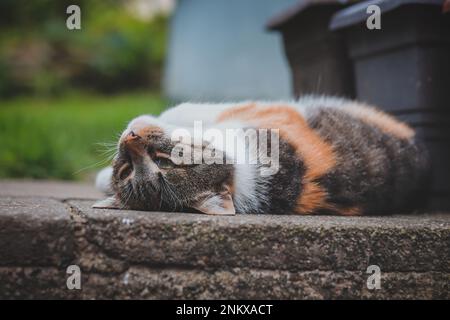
163 163
125 171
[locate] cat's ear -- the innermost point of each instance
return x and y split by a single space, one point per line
108 203
216 204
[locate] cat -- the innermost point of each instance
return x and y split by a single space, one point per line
333 156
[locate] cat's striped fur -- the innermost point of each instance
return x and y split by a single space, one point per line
336 157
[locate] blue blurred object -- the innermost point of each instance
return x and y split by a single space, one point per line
219 50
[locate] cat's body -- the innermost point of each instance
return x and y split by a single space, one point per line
335 157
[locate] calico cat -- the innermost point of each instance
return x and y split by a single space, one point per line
332 156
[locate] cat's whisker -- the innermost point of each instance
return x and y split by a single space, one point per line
107 145
108 150
176 199
130 188
142 191
165 191
108 154
95 165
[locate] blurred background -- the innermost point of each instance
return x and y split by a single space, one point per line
66 92
65 95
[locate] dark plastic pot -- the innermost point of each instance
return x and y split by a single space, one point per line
405 69
317 57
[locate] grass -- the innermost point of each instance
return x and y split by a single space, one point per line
59 138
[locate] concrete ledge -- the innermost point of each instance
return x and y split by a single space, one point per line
35 231
132 254
399 243
142 282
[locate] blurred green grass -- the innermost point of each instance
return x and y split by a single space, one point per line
58 138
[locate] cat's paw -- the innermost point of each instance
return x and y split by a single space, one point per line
103 181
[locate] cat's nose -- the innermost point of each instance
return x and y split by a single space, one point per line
133 142
131 136
134 146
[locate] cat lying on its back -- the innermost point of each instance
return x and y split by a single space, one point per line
332 156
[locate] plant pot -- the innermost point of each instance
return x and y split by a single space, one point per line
405 68
317 57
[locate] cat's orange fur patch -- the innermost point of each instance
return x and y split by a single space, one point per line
312 197
381 120
316 153
350 211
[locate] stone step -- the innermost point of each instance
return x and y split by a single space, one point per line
44 228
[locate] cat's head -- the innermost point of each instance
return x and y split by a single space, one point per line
147 177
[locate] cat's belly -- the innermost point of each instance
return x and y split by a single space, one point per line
377 171
339 161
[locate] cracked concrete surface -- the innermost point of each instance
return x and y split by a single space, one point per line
46 226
